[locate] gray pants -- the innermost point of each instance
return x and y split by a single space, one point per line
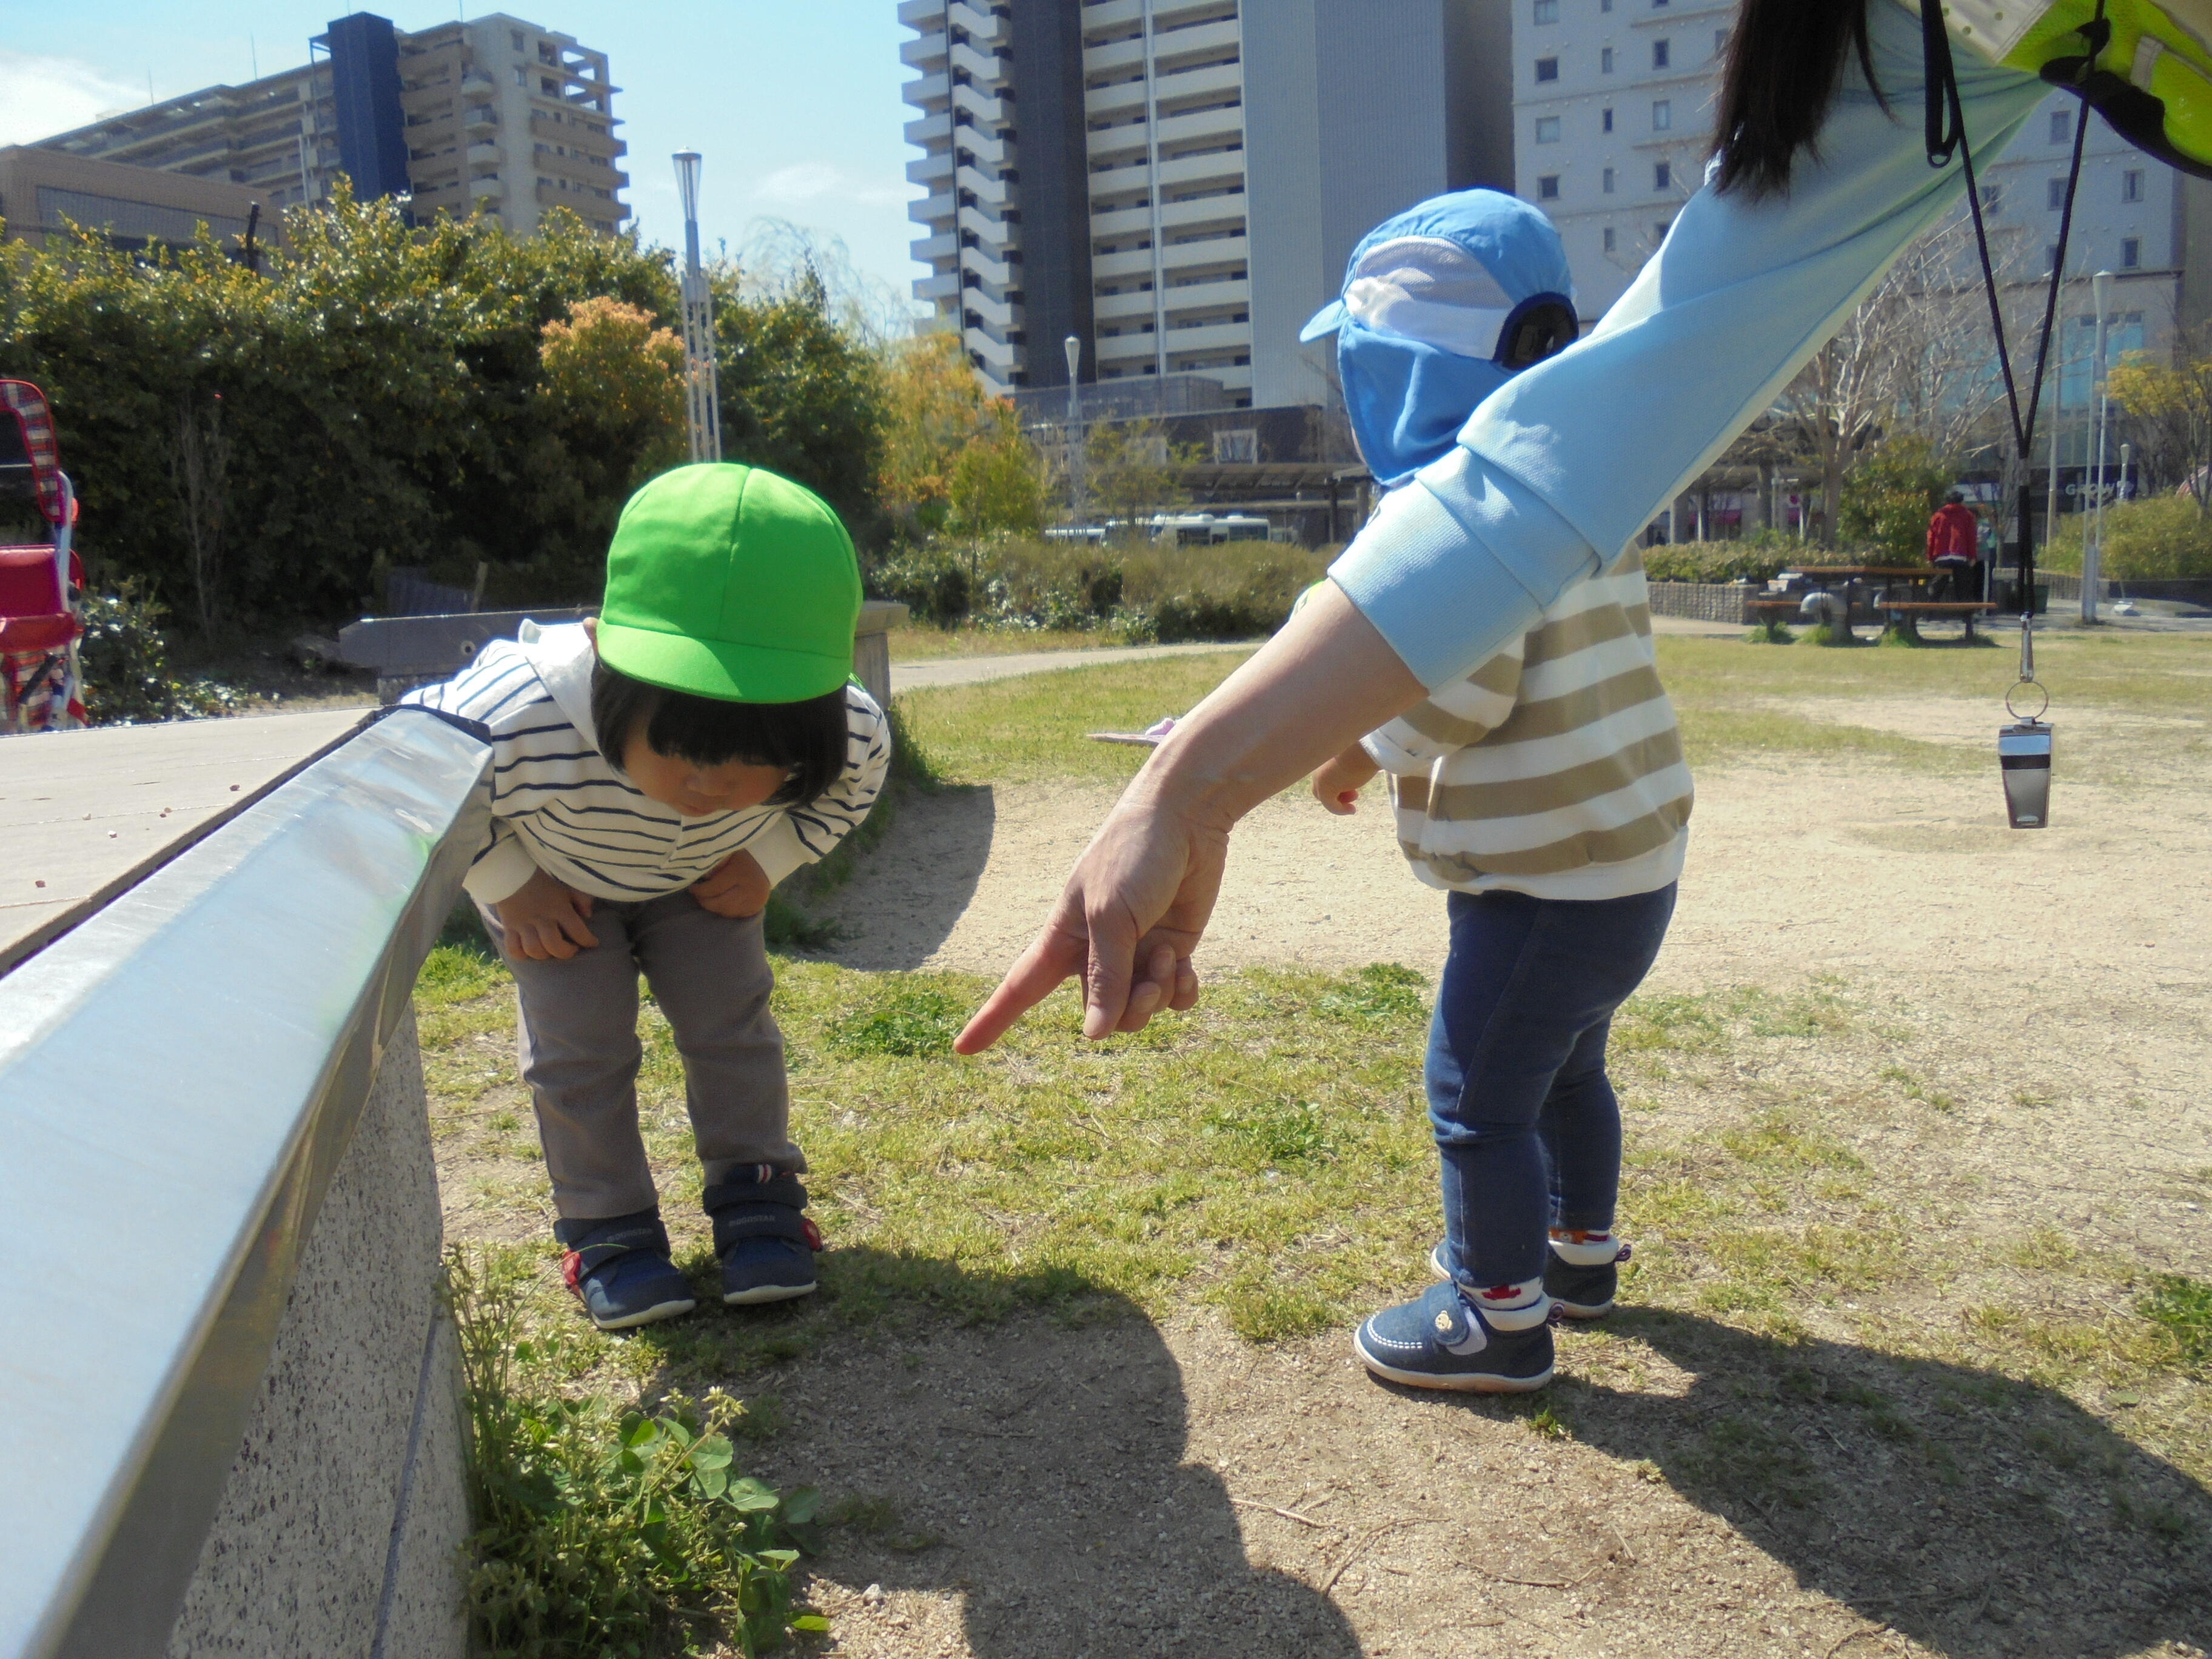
579 1050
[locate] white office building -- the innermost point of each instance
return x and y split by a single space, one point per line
1174 189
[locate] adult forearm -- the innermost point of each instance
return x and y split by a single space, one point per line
1562 466
1320 685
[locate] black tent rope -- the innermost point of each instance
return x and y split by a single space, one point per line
1946 133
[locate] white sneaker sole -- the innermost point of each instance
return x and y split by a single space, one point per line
652 1316
761 1293
1472 1383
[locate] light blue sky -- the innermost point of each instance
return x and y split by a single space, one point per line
795 106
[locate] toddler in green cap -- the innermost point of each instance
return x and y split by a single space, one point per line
655 773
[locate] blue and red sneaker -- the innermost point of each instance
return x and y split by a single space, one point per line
619 1269
766 1241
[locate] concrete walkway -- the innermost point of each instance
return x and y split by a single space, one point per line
86 814
974 671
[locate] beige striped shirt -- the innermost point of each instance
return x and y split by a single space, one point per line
1555 769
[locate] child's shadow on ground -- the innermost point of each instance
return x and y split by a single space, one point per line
1975 1513
903 901
1034 1464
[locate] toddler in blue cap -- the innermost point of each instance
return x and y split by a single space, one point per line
1545 792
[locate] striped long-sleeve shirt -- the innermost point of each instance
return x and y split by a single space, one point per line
1555 769
558 806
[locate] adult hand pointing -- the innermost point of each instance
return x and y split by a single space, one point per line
1140 897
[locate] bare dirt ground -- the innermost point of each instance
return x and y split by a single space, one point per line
1132 1488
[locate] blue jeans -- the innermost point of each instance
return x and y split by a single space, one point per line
1524 1115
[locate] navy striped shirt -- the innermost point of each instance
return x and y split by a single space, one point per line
558 806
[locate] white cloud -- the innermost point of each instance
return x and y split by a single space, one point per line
805 183
42 96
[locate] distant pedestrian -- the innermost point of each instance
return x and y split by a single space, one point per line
1954 548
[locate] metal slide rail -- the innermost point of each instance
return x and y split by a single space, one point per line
179 1078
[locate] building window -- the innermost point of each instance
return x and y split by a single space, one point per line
1605 121
1605 60
1662 114
1548 129
1660 53
1240 445
1608 181
1605 5
1547 69
1608 238
2130 252
1992 199
2062 126
1547 11
2131 185
1720 41
1547 187
521 76
2056 194
2050 258
514 37
1662 175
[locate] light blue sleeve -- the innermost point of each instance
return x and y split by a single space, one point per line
1560 467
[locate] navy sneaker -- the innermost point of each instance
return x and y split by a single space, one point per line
620 1271
1582 1274
1579 1291
1438 1342
766 1241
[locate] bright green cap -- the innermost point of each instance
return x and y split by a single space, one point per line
728 581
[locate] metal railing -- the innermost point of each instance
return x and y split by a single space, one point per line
179 1078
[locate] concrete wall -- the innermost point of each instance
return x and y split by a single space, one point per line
340 1530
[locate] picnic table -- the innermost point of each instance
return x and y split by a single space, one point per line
1900 599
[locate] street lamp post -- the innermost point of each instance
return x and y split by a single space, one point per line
702 405
2093 546
1073 347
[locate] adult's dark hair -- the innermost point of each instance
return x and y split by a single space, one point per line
807 739
1785 60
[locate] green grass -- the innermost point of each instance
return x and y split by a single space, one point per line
1031 728
920 642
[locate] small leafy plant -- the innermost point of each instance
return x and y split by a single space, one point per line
913 1021
605 1532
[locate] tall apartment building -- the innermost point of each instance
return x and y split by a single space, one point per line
496 114
1176 190
1614 121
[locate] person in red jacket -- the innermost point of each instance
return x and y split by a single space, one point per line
1954 548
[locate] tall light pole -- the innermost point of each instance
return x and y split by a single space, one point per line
2093 546
700 405
1073 347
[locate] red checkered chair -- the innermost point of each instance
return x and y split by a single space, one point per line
40 627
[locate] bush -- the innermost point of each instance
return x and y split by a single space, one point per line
1754 558
602 1531
932 584
2164 537
1889 497
124 659
1230 590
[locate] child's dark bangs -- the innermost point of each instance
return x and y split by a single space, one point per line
806 739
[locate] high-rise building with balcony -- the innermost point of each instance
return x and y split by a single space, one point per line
1175 189
494 114
1613 122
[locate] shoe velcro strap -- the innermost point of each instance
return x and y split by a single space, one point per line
600 1247
735 1221
784 1189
